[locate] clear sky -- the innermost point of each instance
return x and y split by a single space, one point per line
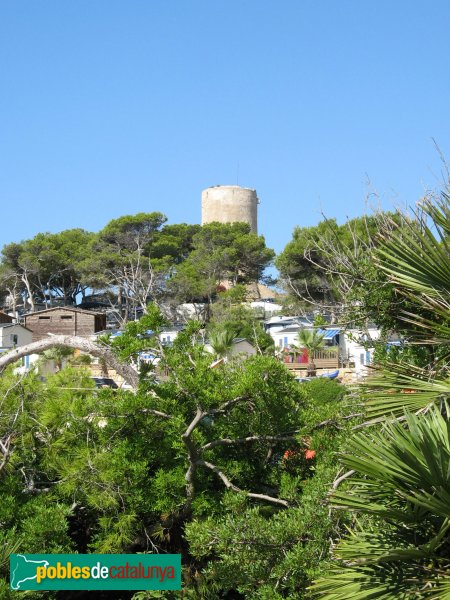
114 107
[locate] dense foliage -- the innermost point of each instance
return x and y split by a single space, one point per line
230 466
231 462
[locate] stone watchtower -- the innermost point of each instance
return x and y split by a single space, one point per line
230 204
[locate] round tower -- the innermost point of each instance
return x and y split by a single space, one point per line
230 204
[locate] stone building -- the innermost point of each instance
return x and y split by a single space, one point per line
230 204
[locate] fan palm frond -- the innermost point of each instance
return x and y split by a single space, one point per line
403 479
402 387
396 581
416 259
439 212
402 470
406 469
435 328
442 588
221 341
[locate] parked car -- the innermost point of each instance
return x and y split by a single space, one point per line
105 382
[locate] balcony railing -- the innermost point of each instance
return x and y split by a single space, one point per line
323 359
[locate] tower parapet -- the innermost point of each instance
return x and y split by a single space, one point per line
230 204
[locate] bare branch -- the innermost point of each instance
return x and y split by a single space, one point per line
229 485
334 422
79 343
5 450
340 479
193 456
255 338
253 438
267 498
157 413
195 421
226 405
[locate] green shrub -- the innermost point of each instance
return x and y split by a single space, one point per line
322 390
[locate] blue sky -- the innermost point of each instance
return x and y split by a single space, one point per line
110 108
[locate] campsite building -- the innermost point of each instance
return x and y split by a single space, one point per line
64 320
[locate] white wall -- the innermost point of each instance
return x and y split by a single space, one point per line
353 348
168 336
24 336
282 339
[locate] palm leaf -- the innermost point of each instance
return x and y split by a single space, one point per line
439 211
416 259
437 329
443 588
221 341
403 470
406 470
384 582
312 340
404 479
363 547
403 387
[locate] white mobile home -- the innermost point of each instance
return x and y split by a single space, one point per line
13 335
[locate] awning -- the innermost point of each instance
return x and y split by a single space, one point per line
329 334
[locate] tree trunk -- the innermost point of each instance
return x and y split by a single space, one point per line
311 367
29 292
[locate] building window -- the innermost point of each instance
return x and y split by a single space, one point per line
67 317
44 318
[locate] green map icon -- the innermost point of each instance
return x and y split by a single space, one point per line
23 569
